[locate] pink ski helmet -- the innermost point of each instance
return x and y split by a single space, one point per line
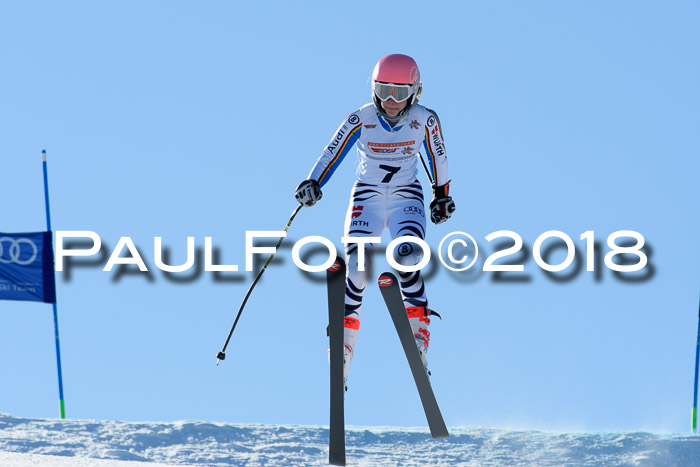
396 77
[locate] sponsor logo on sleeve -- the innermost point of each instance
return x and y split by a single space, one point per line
336 141
431 121
353 119
438 144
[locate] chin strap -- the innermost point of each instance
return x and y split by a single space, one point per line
402 114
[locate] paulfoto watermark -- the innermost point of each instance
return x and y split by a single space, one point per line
458 251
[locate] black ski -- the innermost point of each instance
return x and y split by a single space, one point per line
394 302
336 319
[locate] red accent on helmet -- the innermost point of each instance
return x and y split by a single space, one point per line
397 69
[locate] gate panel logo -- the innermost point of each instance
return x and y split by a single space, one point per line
13 251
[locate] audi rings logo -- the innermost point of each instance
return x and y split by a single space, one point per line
11 251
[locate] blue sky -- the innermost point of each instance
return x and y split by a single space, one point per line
179 119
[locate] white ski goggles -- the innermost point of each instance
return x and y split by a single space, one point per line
398 92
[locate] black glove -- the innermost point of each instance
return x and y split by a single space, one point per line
308 192
442 206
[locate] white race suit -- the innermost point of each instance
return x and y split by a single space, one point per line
387 193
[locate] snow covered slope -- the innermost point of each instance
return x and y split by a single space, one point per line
34 442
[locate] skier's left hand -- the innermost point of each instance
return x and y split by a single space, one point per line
442 206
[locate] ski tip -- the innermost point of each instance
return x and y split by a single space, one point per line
337 265
386 279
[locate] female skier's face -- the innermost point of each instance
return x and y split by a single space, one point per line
392 108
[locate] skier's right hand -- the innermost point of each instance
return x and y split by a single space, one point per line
308 192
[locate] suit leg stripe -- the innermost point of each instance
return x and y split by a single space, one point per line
419 293
366 198
416 302
412 197
349 312
412 230
410 283
355 288
354 231
364 192
418 193
352 296
418 225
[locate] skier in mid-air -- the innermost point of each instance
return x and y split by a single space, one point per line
387 194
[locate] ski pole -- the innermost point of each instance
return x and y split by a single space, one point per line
425 166
222 355
61 400
694 422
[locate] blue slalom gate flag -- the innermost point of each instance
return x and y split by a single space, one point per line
27 267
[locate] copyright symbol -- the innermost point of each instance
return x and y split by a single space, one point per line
458 256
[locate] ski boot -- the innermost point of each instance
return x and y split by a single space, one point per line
347 358
419 317
352 325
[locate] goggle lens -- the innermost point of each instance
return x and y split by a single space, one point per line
397 92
